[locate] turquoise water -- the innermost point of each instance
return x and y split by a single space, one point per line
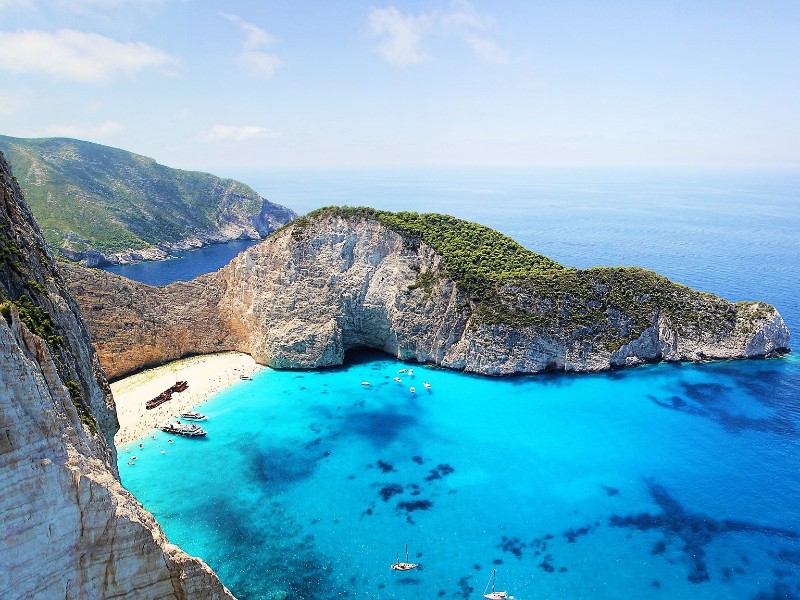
571 486
665 481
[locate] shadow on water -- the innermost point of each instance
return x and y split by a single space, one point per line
768 387
688 532
282 559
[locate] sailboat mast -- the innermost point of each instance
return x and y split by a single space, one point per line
406 552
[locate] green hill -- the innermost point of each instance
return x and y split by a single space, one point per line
97 203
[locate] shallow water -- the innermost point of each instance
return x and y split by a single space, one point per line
571 486
664 481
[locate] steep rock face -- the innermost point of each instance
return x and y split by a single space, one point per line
69 528
315 289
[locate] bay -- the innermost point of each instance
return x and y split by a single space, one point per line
665 481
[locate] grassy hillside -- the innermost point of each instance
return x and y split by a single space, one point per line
88 196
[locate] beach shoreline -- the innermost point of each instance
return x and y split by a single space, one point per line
206 375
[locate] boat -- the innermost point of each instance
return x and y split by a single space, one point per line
193 416
164 396
245 377
184 429
398 380
402 370
413 390
427 385
179 386
495 595
366 383
403 566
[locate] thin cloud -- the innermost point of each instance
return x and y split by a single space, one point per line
401 36
238 133
75 55
84 131
252 59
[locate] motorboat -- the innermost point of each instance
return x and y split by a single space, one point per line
193 416
184 429
427 385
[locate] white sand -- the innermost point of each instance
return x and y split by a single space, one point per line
206 376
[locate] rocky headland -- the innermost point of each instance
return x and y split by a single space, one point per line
428 288
99 205
69 529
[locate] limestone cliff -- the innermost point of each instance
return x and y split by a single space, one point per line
69 529
420 287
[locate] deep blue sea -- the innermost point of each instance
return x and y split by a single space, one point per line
183 266
663 482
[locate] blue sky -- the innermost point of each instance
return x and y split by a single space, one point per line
207 85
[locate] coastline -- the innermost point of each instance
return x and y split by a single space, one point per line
206 374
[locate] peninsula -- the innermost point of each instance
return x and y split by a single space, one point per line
420 287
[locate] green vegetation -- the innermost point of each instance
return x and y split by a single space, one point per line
91 197
83 411
38 321
509 284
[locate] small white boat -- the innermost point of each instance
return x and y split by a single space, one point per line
193 416
366 383
413 390
495 595
398 380
411 371
427 385
403 371
403 566
245 377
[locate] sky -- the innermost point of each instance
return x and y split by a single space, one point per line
214 85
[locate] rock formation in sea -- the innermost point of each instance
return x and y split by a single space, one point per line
69 529
428 288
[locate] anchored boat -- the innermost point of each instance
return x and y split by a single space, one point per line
184 429
193 416
495 595
403 566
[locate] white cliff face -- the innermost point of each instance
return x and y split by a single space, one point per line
303 301
69 529
304 305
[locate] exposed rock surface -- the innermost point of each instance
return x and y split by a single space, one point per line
69 529
337 281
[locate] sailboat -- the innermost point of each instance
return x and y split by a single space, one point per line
403 566
493 595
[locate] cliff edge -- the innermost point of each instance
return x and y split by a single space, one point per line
69 528
429 288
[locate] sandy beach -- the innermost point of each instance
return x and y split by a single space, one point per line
206 376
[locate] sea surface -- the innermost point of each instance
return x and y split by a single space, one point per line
182 266
663 481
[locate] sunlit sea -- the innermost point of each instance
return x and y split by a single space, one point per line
663 481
